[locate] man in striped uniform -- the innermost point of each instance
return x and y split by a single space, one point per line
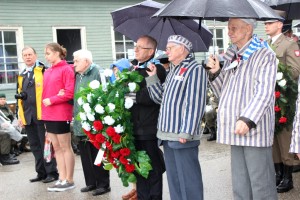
245 87
182 98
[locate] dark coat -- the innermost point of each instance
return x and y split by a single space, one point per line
145 112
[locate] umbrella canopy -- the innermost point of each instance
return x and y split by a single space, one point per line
135 21
291 7
220 10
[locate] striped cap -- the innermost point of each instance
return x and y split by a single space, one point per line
178 39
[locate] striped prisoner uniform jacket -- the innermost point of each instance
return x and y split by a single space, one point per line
182 98
246 91
295 143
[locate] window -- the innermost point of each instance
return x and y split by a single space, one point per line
9 69
220 39
123 47
71 38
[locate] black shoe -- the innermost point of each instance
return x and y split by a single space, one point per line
100 191
296 168
287 182
88 188
50 179
36 179
8 160
212 137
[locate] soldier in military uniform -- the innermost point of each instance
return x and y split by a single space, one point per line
287 51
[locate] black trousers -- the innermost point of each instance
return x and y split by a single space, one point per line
152 187
36 137
93 175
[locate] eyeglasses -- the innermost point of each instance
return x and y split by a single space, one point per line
170 47
139 47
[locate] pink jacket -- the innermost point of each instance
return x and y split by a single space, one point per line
59 76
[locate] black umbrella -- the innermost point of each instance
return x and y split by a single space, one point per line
220 10
135 21
291 7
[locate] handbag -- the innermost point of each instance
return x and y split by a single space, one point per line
48 149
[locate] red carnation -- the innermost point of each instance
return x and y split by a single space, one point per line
89 134
129 168
115 165
100 138
110 131
125 152
123 160
98 125
115 154
277 94
116 138
277 108
282 120
96 144
108 145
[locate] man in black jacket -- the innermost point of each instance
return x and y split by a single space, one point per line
144 116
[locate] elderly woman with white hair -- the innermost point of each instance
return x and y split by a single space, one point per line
245 87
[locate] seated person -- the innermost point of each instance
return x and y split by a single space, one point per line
5 140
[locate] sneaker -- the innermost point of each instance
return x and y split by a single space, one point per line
53 188
65 185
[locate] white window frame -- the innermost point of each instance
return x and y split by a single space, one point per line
225 35
114 44
20 46
82 33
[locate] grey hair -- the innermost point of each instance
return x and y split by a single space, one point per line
251 22
83 53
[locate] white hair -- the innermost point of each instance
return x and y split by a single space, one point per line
83 53
252 22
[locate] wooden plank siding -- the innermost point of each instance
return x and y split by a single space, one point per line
37 17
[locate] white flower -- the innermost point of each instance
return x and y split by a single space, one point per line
90 116
119 128
99 109
111 107
89 97
94 84
128 103
82 116
86 126
87 108
132 86
108 72
282 83
279 76
117 94
109 120
80 101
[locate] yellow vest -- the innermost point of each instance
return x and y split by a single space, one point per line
38 77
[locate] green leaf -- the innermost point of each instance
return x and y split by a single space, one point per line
132 178
283 99
108 166
142 157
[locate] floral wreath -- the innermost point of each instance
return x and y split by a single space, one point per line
106 120
285 98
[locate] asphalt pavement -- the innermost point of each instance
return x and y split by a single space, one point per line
214 159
